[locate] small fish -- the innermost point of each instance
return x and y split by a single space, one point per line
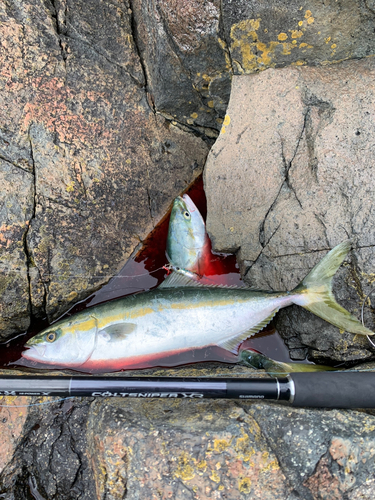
255 359
188 244
181 315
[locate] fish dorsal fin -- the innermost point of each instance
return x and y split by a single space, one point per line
177 279
116 332
233 343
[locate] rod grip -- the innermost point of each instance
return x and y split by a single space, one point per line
334 389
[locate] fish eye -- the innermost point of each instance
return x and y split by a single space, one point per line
51 337
186 214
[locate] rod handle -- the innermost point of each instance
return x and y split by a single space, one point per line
334 389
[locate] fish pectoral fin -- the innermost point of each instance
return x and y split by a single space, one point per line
234 342
116 332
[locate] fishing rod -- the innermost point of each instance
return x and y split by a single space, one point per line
322 389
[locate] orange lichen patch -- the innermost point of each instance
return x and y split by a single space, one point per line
310 20
296 33
10 233
339 450
287 48
226 121
51 107
308 14
322 483
282 36
13 414
267 51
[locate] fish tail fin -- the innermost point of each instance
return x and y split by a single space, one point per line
314 293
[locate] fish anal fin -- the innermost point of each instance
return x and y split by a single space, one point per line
233 343
117 331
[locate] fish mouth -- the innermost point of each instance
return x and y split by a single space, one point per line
34 352
189 202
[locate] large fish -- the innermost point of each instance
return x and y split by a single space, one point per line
181 315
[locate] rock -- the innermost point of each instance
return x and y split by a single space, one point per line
324 454
181 448
263 34
186 61
89 168
52 461
190 50
16 203
289 178
13 415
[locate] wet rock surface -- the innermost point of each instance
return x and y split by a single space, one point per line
89 168
289 178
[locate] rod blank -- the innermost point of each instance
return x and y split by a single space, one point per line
321 389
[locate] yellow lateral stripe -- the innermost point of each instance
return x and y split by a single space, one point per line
138 312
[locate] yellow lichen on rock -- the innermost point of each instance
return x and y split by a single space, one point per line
221 444
251 54
282 36
215 477
296 33
244 485
184 470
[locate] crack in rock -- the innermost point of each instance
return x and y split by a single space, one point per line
14 164
134 30
60 29
325 116
26 248
205 133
